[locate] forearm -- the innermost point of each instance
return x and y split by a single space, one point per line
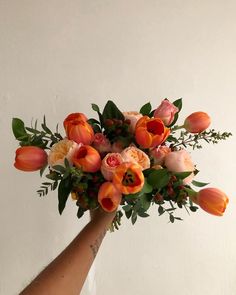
67 273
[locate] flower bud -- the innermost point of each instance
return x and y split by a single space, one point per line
166 112
197 122
30 158
212 200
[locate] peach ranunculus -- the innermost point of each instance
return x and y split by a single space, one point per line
61 150
128 178
87 158
159 154
109 197
197 122
166 112
212 200
180 161
150 132
78 129
133 117
101 143
134 155
109 163
30 158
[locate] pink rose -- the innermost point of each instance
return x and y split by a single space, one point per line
133 117
159 154
136 156
109 164
63 149
101 143
180 161
166 112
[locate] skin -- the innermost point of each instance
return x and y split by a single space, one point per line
66 274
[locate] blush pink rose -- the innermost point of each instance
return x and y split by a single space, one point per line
180 161
109 164
134 155
166 112
133 117
101 143
159 154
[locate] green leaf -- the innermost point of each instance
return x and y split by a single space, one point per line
126 208
199 184
59 168
80 212
145 202
143 214
134 217
182 175
64 190
95 108
43 169
18 128
112 112
147 188
128 214
159 178
172 219
161 210
146 109
178 104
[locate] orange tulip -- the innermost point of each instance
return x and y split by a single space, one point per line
128 178
212 200
109 197
150 132
197 122
30 158
87 158
78 129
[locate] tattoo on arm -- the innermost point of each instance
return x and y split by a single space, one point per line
95 246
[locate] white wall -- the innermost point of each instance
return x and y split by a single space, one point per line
57 57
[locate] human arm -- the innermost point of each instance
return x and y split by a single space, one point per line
66 274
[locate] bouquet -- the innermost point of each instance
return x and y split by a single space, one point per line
123 161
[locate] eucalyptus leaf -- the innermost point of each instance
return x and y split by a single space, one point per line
18 128
64 190
199 184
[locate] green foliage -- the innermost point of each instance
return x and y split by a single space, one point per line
111 111
146 109
30 136
159 178
64 189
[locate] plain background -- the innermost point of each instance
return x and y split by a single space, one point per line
59 56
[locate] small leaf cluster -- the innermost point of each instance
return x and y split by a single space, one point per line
31 136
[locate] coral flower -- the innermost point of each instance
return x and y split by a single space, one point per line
30 158
78 129
128 178
87 158
150 132
109 197
212 200
197 122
